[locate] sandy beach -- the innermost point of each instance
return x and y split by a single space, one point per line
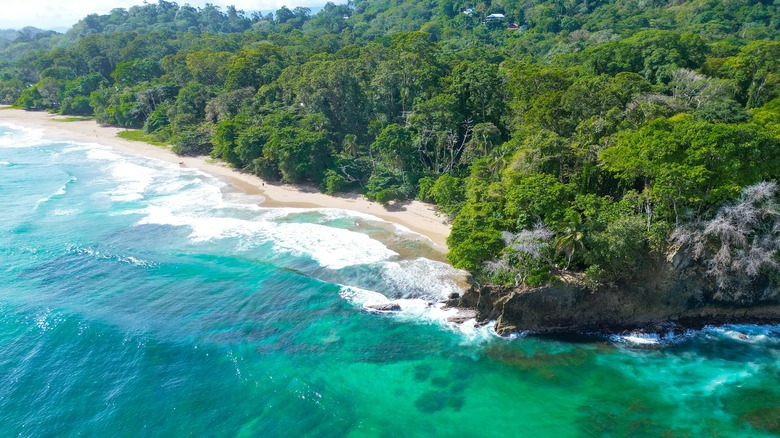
416 216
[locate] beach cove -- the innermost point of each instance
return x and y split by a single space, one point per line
416 216
139 295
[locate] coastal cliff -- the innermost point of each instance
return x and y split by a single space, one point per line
676 290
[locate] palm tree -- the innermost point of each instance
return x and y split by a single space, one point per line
350 145
570 238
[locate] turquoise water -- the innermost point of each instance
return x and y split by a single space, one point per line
138 298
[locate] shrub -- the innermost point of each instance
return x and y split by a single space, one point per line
265 169
742 240
527 258
193 141
619 249
76 106
333 182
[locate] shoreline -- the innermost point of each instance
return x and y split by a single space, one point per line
418 217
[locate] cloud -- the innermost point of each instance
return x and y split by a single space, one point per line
65 13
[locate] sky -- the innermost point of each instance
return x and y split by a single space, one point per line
48 14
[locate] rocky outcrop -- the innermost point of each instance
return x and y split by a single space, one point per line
676 291
385 307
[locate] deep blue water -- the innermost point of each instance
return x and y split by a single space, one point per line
141 298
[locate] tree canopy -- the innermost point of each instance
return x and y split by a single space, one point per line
567 135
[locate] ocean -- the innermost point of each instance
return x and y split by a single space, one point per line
140 298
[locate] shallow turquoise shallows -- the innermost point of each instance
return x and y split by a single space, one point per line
138 298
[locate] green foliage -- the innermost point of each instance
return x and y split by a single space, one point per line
570 238
478 88
618 250
447 191
139 135
332 88
333 182
611 122
224 141
207 67
78 106
535 198
476 230
72 119
117 109
394 165
298 153
388 184
264 168
193 141
190 105
75 95
654 54
250 143
135 71
10 90
43 95
255 67
158 119
595 276
393 147
755 72
685 163
768 116
527 258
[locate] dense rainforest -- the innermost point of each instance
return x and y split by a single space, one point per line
563 138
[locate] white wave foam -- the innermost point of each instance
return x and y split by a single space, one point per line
332 248
333 214
135 175
20 137
747 333
177 199
80 147
419 310
244 201
202 228
4 163
362 297
637 339
120 258
95 153
330 214
423 278
68 212
652 339
187 197
402 229
190 198
194 196
174 186
482 333
61 191
327 214
133 179
753 334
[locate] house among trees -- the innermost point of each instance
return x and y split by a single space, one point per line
494 18
470 12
